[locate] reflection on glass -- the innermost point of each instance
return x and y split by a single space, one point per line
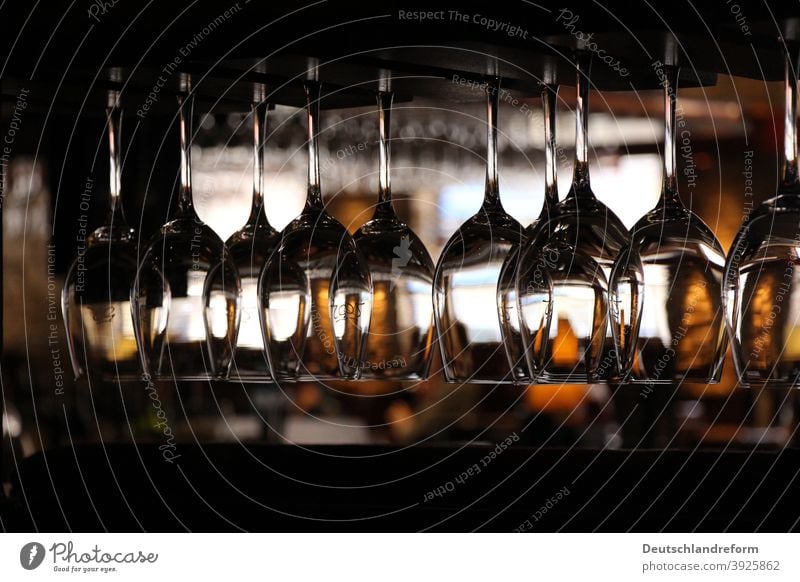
186 291
96 295
465 282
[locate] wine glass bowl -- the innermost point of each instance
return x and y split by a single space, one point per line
326 264
562 302
193 327
400 341
466 277
97 306
680 336
762 272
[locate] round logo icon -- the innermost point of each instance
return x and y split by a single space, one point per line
31 555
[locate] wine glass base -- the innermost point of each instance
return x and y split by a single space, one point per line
110 377
761 383
669 382
484 381
188 378
546 378
319 378
244 379
401 378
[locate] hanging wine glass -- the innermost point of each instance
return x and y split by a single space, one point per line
466 278
762 273
666 287
570 257
399 343
96 300
187 292
250 248
316 291
506 286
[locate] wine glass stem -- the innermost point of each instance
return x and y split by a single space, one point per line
491 197
670 188
790 177
580 176
384 153
259 111
116 215
549 97
314 196
185 112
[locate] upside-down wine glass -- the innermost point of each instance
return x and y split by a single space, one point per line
465 280
95 300
562 278
400 339
762 273
187 292
507 284
666 286
315 291
250 248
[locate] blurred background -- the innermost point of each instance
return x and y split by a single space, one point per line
728 162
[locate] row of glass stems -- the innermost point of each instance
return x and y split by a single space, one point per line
579 298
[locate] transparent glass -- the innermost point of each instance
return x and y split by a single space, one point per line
250 248
666 288
576 249
400 340
466 279
762 273
316 291
187 292
95 301
507 283
563 309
